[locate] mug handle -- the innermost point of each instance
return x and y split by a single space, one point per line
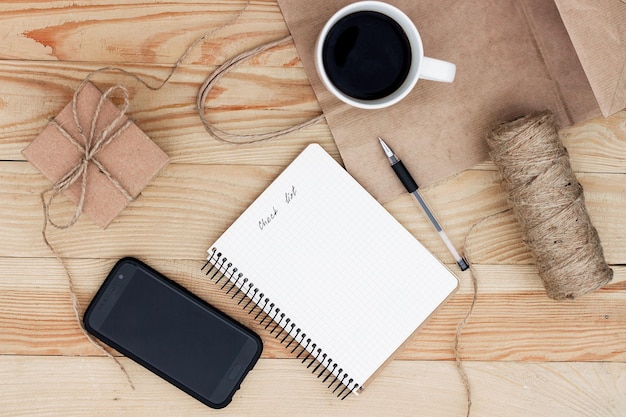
437 70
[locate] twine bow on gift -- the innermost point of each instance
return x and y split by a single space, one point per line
92 143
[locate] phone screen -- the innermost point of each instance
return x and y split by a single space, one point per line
172 332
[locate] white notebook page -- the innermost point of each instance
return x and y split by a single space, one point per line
337 264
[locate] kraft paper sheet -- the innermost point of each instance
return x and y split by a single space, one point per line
513 57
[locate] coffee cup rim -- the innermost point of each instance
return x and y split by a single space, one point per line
415 42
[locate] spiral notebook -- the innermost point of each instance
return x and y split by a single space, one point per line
329 272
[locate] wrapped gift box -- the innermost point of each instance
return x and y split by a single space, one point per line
130 158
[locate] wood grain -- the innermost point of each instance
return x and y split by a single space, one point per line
101 30
274 98
524 353
205 199
37 315
429 388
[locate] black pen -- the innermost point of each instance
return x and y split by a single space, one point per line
411 187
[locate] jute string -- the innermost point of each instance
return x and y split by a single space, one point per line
214 78
93 142
549 204
460 367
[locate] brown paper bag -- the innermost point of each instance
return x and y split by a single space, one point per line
598 32
513 57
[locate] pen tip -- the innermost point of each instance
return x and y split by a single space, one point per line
386 148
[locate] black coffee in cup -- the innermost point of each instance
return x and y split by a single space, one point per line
367 55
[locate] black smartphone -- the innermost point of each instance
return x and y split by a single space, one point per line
172 332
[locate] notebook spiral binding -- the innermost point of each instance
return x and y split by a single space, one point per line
289 330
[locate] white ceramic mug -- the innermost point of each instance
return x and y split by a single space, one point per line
420 66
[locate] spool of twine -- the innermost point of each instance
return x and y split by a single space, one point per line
549 205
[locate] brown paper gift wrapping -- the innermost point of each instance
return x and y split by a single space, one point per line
131 158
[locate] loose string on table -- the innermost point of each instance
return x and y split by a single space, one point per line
214 78
461 325
95 141
460 367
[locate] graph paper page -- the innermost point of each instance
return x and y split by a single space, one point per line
335 262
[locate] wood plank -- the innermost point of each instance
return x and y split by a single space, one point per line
36 316
263 95
255 98
403 388
184 208
160 31
203 200
598 144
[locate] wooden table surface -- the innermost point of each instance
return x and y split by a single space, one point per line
525 354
